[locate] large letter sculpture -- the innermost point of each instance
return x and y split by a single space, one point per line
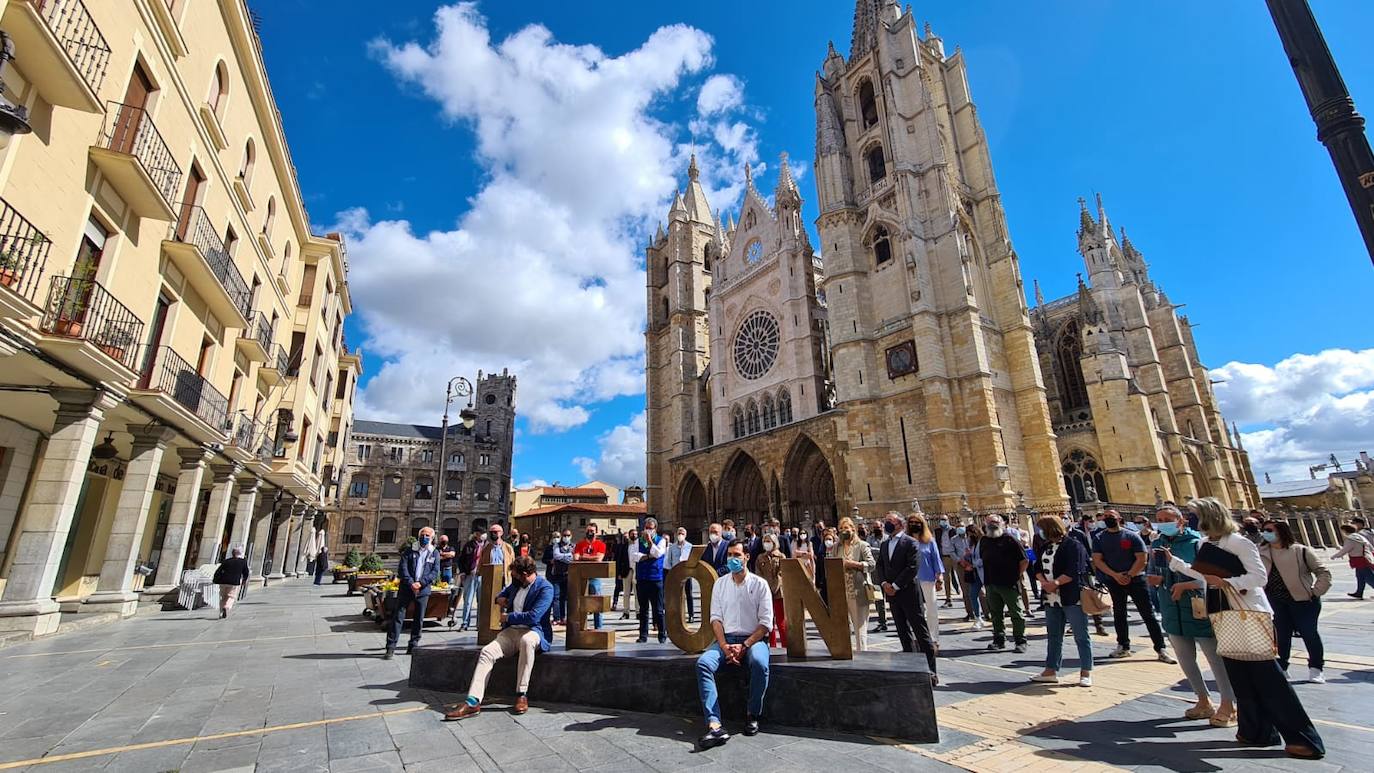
581 604
799 593
690 642
488 614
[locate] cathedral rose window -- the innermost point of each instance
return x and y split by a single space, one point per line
756 345
753 253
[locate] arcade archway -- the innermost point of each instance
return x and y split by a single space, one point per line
691 506
743 494
810 484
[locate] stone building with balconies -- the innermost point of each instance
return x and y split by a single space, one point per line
392 484
171 329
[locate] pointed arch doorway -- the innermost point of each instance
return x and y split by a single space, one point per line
810 485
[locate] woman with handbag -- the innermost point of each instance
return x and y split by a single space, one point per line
930 572
1183 613
1062 564
858 562
972 566
1229 563
1361 554
1297 580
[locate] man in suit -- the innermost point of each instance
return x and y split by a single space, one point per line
525 628
898 562
418 569
716 546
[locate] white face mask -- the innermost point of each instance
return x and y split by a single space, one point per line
715 538
769 544
681 539
830 543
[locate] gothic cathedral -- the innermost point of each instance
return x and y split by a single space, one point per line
900 364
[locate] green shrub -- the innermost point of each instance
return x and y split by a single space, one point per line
352 558
372 563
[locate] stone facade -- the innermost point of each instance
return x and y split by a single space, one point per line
1130 399
390 479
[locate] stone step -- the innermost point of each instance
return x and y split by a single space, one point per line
79 622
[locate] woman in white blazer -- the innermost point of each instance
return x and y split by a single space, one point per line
1269 709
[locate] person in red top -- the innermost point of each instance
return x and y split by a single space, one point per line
591 549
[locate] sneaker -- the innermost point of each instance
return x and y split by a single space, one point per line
751 727
977 625
389 654
1085 681
1020 648
997 646
1355 595
1165 657
1315 676
1046 678
641 640
714 737
1120 652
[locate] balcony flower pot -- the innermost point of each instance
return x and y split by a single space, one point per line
8 277
68 327
115 353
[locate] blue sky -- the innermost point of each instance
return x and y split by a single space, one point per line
1185 116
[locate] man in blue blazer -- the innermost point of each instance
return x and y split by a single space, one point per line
418 569
715 550
525 627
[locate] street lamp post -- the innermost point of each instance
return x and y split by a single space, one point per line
457 387
1339 127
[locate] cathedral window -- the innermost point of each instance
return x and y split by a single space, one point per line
770 413
665 311
752 417
1073 392
868 106
706 257
737 422
756 345
1083 476
882 245
877 167
784 407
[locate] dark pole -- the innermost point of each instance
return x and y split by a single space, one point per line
1339 127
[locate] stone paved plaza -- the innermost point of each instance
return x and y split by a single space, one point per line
293 681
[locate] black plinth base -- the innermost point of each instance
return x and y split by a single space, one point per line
883 694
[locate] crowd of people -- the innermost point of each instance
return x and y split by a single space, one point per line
1177 571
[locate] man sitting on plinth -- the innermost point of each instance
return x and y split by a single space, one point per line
525 628
741 616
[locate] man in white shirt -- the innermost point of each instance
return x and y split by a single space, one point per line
680 550
741 617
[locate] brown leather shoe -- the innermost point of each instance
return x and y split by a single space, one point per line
522 704
463 712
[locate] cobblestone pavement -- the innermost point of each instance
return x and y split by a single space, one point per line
293 681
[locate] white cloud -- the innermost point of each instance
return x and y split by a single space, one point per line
1301 410
719 94
541 273
621 461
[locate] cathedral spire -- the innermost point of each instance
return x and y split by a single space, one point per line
1102 217
692 171
679 210
1039 296
786 194
1236 431
866 22
696 206
1085 220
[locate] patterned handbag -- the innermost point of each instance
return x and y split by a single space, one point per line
1243 634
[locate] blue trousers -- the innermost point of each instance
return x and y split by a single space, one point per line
710 661
1299 617
472 591
560 597
1055 618
594 588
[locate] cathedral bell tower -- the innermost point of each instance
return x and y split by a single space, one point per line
931 345
678 266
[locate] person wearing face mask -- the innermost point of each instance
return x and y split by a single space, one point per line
769 566
818 550
468 560
783 543
858 562
897 567
1250 527
1004 563
1120 555
801 550
591 549
972 566
1083 534
446 556
417 570
646 556
716 545
875 542
1298 578
525 629
741 617
930 573
680 550
943 536
557 570
1179 598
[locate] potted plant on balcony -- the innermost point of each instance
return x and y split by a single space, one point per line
115 340
12 259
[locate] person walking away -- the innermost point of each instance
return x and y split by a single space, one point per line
1004 562
1360 553
1269 710
929 573
741 617
1182 610
897 567
321 563
875 542
1120 555
944 538
1061 565
1037 545
525 630
591 549
557 573
769 565
646 556
416 572
467 561
858 561
680 550
972 566
960 544
1295 583
230 576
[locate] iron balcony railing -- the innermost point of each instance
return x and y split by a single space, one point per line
193 227
259 329
83 309
73 26
129 129
165 372
277 359
23 252
250 435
